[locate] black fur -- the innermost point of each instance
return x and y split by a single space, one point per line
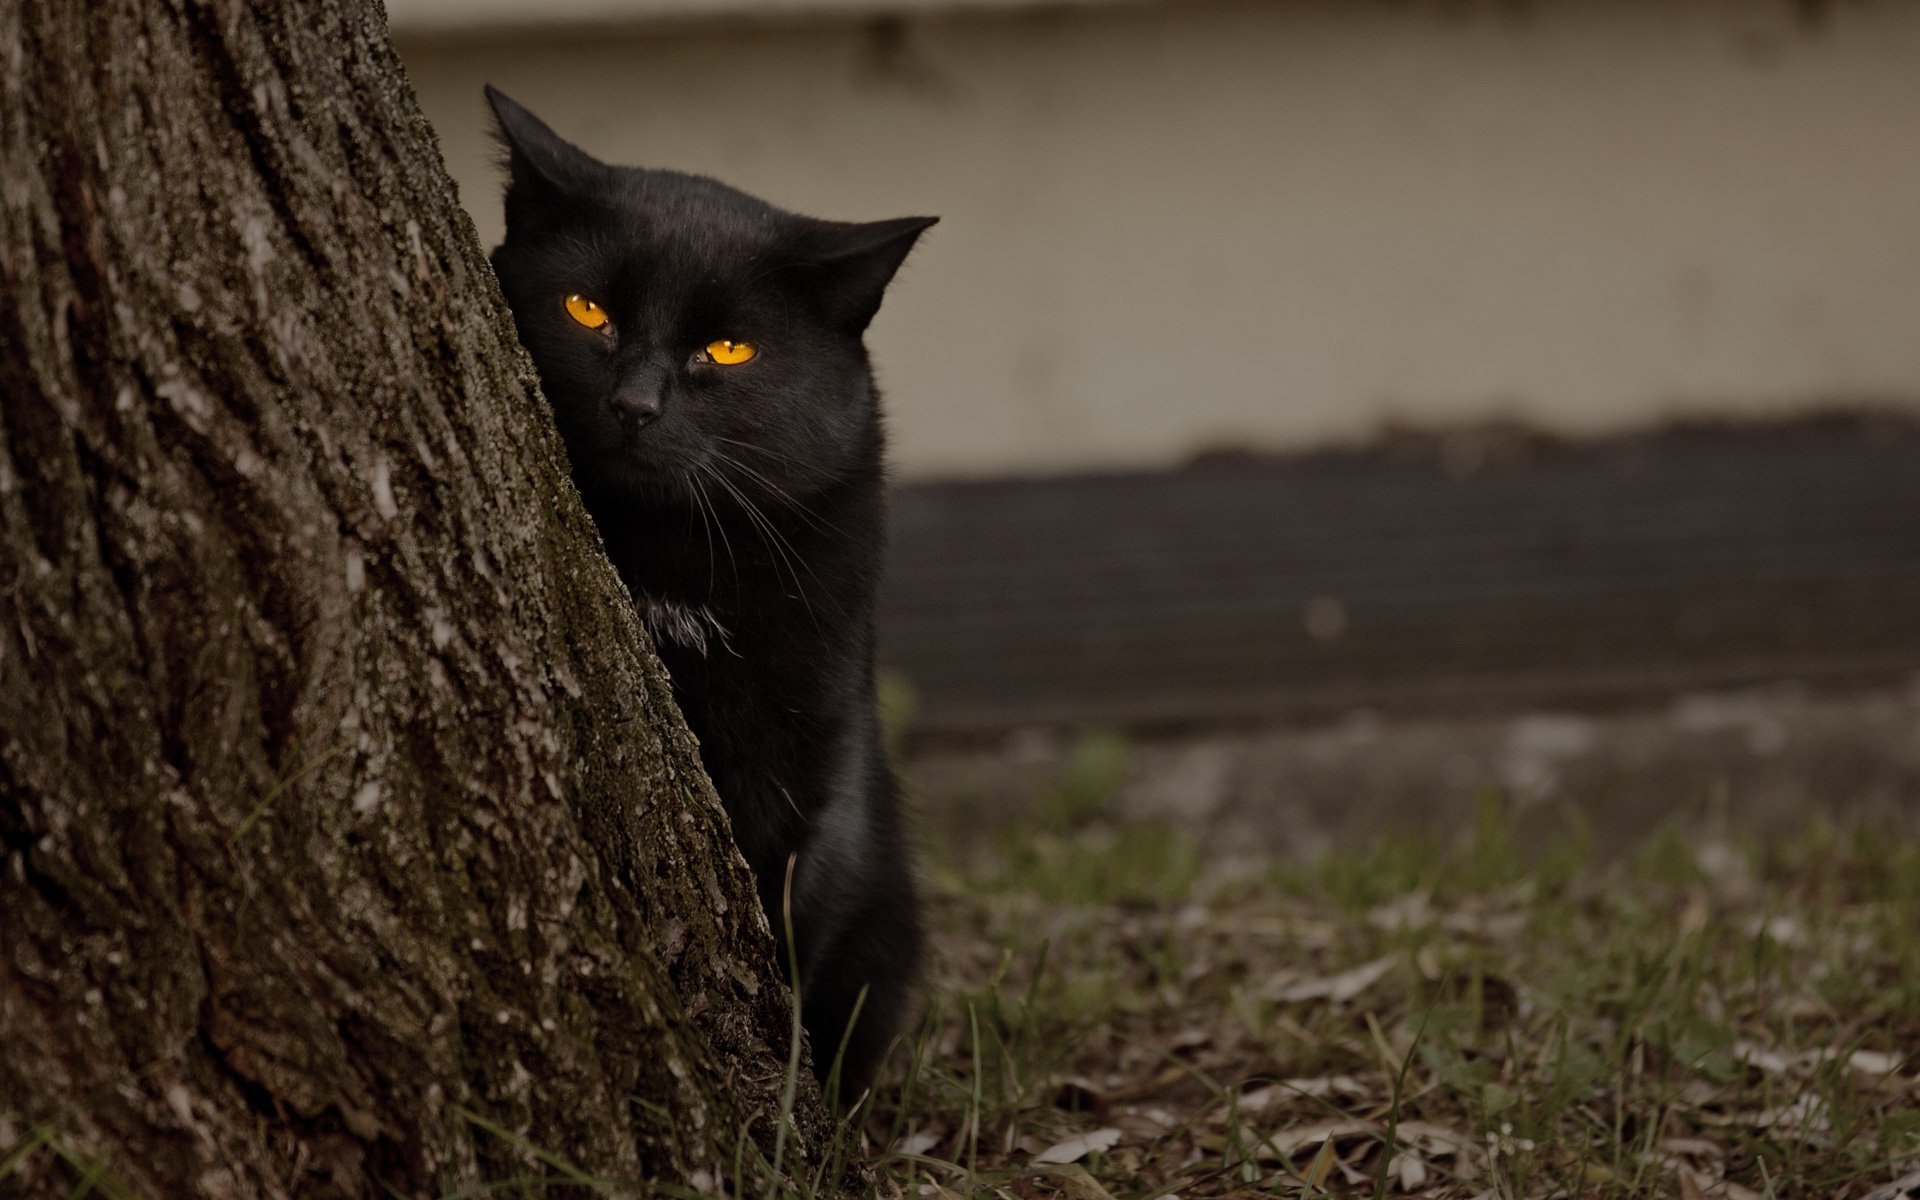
744 508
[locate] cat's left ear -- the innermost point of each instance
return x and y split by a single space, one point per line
850 265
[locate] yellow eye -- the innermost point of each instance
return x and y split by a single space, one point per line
586 311
730 354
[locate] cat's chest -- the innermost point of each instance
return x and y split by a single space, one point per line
677 623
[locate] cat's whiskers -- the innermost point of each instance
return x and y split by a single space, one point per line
779 493
769 451
706 507
771 528
773 537
693 486
775 540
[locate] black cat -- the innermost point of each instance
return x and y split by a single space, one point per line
702 352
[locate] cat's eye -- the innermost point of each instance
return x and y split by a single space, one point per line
586 312
729 354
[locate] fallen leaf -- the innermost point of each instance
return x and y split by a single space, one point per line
1695 913
1694 1147
1077 1093
1786 930
1497 926
1872 1062
1436 1141
1412 911
1900 1189
1145 1124
1410 1169
1338 988
1806 1116
1771 1061
1076 1148
1428 960
1310 1089
1322 1165
1076 1184
1287 1141
919 1142
1151 1087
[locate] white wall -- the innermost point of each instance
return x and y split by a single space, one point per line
1279 224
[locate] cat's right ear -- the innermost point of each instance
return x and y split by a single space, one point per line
541 164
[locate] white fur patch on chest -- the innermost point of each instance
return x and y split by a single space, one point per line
685 625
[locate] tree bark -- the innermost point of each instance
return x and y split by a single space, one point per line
350 842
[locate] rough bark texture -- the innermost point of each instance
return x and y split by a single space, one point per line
350 843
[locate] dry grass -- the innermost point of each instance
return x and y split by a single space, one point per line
1427 1020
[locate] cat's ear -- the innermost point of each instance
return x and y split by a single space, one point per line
848 266
541 164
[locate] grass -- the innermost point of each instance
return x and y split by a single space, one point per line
1436 1018
89 1175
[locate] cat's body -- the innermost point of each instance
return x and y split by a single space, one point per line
742 500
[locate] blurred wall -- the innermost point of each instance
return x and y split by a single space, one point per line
1177 226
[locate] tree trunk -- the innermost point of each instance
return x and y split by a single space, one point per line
350 842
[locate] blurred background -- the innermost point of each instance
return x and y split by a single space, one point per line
1316 418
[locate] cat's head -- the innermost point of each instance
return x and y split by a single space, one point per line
682 328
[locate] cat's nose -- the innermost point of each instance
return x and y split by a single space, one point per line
638 398
637 405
